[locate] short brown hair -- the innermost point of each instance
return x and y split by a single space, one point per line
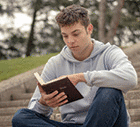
71 15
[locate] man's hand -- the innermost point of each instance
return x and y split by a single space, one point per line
52 100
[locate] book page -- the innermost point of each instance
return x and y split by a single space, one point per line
40 80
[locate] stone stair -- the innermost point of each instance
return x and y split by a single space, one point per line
9 108
132 99
20 99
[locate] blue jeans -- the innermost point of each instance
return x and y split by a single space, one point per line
107 110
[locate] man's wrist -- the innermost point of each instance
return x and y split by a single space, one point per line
41 101
81 77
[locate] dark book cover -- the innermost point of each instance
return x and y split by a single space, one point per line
61 85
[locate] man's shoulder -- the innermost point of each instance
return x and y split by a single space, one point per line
56 58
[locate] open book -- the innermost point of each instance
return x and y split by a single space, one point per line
61 85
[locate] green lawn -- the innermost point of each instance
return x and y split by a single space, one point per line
9 68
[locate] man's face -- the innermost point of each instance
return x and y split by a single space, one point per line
77 38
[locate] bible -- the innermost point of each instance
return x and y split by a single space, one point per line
61 85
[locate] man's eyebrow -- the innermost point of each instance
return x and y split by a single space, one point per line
77 30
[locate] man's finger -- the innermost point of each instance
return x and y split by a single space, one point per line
50 96
62 103
57 99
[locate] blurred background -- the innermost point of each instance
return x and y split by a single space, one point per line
28 27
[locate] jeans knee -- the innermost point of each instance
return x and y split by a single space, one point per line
19 116
14 120
109 94
16 117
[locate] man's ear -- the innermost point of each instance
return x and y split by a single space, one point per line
90 29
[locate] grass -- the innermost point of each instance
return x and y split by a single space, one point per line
10 68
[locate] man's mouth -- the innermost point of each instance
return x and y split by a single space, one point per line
73 47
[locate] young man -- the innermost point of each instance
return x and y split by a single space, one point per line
101 72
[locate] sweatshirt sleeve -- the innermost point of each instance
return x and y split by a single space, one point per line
47 75
119 72
36 106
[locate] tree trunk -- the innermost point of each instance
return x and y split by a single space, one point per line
114 22
101 23
30 44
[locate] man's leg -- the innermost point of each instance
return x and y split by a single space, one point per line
29 118
107 110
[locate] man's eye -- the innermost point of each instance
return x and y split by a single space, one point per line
65 36
75 35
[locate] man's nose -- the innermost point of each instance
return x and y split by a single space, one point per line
70 40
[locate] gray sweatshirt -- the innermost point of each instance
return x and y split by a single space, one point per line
107 66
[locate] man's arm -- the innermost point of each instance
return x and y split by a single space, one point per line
119 73
76 78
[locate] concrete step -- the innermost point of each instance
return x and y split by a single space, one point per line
31 89
16 103
22 96
135 124
134 114
133 94
6 121
137 69
10 110
138 73
136 65
132 104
